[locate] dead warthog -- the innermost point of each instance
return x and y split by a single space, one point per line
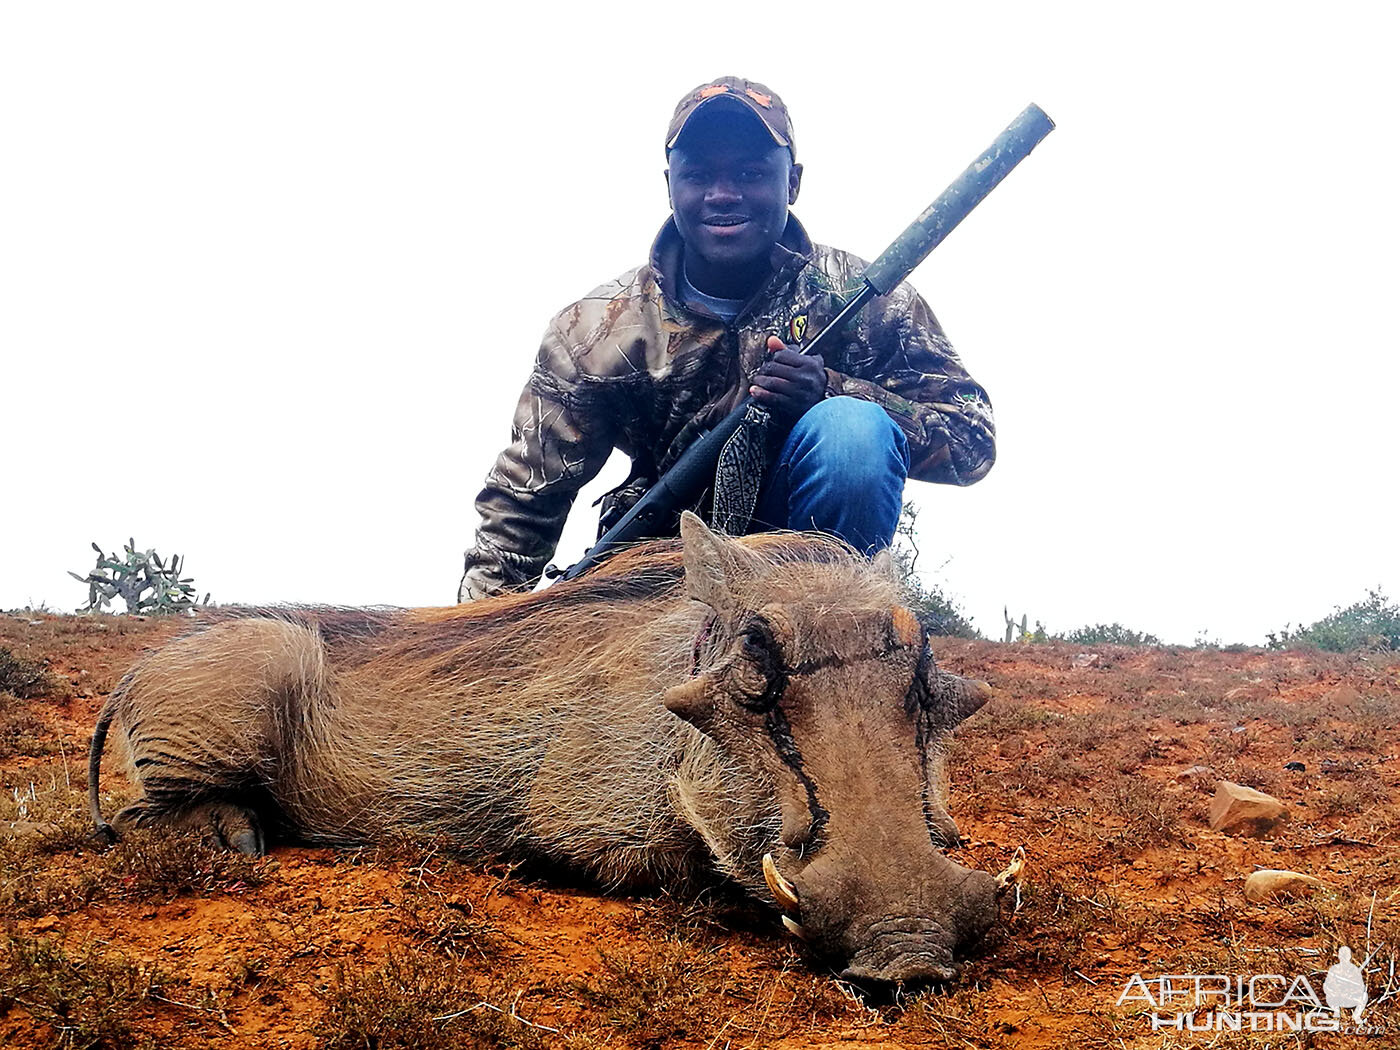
762 709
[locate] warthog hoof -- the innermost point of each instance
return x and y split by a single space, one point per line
225 824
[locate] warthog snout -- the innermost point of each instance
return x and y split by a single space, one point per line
895 919
913 948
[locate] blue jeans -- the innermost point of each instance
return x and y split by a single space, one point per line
841 470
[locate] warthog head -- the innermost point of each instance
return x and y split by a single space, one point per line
822 686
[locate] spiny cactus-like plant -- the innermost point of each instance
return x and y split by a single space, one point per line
1022 631
1012 627
142 580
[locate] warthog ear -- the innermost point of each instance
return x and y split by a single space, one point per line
952 697
691 701
713 564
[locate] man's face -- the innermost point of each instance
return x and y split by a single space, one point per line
730 188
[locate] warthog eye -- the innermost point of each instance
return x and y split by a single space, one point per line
759 671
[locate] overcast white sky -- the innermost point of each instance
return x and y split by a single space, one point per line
273 274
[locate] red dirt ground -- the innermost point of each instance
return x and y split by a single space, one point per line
1089 768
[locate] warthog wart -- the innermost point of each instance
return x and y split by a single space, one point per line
762 710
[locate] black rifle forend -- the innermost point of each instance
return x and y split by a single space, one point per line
685 482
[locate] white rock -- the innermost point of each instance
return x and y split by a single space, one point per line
1271 882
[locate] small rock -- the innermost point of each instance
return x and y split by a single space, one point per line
1296 767
1344 697
1272 883
1194 771
1086 660
1237 808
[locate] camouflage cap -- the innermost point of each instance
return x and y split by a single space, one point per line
735 91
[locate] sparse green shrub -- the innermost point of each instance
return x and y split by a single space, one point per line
20 677
1021 632
1107 634
1012 627
141 580
1372 623
89 999
942 614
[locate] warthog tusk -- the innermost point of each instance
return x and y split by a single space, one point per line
1012 875
784 891
794 928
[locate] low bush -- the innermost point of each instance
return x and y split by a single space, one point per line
1107 634
22 678
89 998
1372 623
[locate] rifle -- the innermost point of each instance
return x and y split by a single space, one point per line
694 471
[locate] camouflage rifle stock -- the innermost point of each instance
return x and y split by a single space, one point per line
682 485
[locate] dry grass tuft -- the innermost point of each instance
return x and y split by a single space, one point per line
654 996
1057 918
28 891
418 1002
48 865
22 678
22 733
156 865
91 999
1150 817
450 925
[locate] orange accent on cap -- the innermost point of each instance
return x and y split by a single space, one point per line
907 629
716 89
766 101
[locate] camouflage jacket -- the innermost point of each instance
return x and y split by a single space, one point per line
630 367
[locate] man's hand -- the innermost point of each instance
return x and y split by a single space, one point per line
788 383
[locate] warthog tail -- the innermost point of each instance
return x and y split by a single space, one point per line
101 829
